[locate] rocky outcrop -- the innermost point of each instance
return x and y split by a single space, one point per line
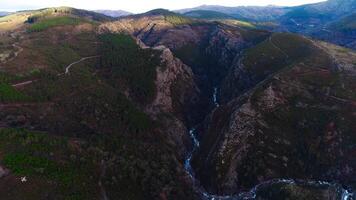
176 95
171 99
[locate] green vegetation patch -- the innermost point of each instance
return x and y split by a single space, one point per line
7 78
178 20
238 23
55 21
133 66
10 94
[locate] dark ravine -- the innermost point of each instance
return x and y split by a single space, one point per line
344 192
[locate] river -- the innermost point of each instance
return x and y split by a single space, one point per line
345 194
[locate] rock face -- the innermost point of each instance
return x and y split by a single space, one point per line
176 95
297 122
172 72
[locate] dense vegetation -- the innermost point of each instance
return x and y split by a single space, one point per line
55 21
130 65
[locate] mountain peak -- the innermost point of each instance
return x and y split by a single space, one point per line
160 11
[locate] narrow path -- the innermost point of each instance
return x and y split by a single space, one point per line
76 62
66 72
17 85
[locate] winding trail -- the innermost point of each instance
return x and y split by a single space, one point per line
66 72
17 85
79 61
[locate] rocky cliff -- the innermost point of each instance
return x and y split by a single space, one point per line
295 122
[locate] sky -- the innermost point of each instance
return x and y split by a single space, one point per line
138 6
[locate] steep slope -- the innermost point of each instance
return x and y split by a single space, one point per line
208 48
295 121
125 106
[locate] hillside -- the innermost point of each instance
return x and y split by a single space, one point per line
323 21
341 31
249 13
23 18
73 87
166 106
293 108
311 19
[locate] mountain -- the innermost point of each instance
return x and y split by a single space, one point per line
251 13
2 13
58 15
314 15
317 20
311 19
161 105
113 13
207 14
341 31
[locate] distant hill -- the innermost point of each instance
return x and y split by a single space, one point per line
346 23
66 15
113 13
252 13
208 14
71 11
332 21
3 13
